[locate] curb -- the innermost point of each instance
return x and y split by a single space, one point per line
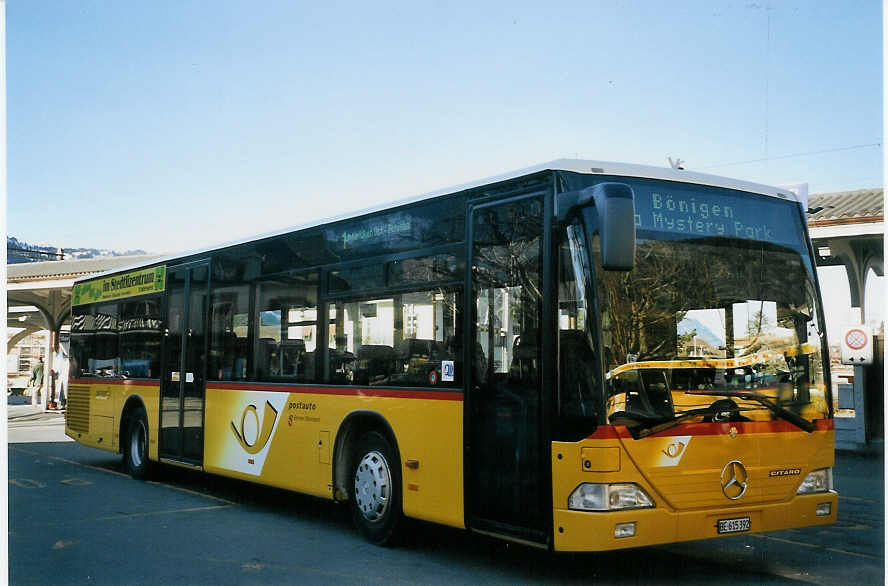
29 411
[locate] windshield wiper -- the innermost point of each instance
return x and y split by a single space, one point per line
711 411
643 425
766 401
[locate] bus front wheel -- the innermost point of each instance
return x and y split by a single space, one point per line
135 445
376 489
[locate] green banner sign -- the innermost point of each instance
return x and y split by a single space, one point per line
120 286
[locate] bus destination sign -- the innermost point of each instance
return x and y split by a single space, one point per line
376 230
710 213
120 286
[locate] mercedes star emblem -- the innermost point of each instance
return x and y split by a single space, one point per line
734 479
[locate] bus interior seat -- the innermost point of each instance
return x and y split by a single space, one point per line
266 348
307 370
293 351
422 348
374 362
525 355
647 391
656 386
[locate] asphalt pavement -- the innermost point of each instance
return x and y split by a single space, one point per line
76 518
30 424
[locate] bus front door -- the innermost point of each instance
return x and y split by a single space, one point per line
182 389
505 456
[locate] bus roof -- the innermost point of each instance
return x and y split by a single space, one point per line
575 165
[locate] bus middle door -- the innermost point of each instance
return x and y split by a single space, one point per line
182 389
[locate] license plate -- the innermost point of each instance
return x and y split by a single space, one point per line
737 525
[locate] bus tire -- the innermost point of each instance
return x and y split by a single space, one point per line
135 445
376 489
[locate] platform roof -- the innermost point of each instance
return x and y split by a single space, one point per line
847 207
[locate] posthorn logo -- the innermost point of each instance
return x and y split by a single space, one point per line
254 434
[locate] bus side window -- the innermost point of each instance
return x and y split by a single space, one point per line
577 360
229 319
286 317
105 357
401 340
140 338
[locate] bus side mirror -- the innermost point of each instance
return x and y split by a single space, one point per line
615 204
609 209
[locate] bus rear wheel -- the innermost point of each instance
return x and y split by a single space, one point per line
135 445
376 489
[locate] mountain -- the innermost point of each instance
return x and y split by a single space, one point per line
18 251
690 324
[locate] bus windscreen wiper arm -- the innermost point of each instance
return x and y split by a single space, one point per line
642 429
766 401
684 416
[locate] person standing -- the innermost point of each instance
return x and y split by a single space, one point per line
60 371
36 380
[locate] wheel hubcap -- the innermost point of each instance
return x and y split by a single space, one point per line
373 486
138 444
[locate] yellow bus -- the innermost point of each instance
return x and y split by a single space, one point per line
577 356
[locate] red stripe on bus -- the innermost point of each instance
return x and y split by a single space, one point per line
341 391
609 432
699 429
742 427
116 381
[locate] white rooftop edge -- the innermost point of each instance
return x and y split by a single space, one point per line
588 167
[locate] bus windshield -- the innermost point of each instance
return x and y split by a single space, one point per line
713 326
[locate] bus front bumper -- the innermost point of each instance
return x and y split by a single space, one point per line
593 531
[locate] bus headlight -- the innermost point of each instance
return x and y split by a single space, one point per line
817 481
608 497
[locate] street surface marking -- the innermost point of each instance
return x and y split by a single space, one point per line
26 483
193 492
66 461
295 570
121 474
76 482
156 513
852 526
856 499
815 546
123 516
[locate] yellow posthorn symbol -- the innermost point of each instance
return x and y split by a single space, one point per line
268 420
674 449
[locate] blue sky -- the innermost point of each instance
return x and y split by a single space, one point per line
169 126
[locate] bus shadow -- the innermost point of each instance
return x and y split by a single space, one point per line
464 553
255 496
518 563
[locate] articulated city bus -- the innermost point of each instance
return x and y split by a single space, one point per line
578 356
